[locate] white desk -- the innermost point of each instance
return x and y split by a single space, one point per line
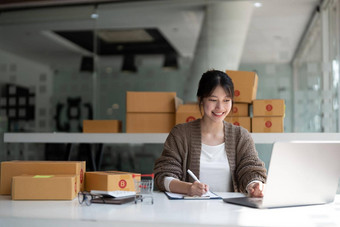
261 138
164 212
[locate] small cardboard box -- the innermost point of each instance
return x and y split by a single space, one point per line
146 102
102 126
10 169
110 181
245 122
44 187
188 112
268 107
245 85
267 124
239 110
149 122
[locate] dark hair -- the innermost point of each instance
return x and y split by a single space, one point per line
210 80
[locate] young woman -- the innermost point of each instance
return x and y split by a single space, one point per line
220 154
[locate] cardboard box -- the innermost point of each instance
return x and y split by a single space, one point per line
102 126
245 122
268 107
188 112
267 124
45 187
151 112
155 102
149 122
245 85
110 181
239 110
10 169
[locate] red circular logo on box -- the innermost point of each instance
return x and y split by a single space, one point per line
268 124
235 109
269 107
237 93
190 118
122 183
81 176
236 123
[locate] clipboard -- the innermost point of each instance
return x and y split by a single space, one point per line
177 196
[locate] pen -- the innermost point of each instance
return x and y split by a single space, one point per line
193 175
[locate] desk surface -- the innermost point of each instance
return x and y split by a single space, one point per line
164 212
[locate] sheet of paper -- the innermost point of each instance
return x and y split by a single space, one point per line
208 195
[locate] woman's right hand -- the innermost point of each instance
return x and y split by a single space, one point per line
198 189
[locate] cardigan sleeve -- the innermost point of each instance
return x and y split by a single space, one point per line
249 166
170 163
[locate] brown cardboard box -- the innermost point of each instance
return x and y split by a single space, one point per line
267 124
268 107
245 122
187 112
245 85
149 122
44 187
151 112
102 126
239 110
155 102
110 181
10 169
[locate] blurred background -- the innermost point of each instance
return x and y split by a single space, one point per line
65 61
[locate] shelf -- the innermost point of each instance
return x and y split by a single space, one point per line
138 138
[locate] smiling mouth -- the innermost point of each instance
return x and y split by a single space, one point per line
218 114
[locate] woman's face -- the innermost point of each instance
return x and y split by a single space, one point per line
217 105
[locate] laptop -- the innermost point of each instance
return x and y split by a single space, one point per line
300 173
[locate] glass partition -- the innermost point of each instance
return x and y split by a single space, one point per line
77 62
316 74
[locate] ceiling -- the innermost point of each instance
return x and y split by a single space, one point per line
120 42
59 32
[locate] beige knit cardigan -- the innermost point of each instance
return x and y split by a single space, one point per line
182 151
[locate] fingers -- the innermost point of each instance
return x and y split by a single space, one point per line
198 189
206 188
256 189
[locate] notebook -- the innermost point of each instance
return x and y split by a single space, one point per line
208 195
300 173
118 200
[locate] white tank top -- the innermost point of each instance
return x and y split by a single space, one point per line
214 168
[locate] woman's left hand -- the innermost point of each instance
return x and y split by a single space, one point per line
256 189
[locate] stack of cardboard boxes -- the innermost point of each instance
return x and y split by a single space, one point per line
267 114
159 112
59 180
35 180
245 88
151 112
